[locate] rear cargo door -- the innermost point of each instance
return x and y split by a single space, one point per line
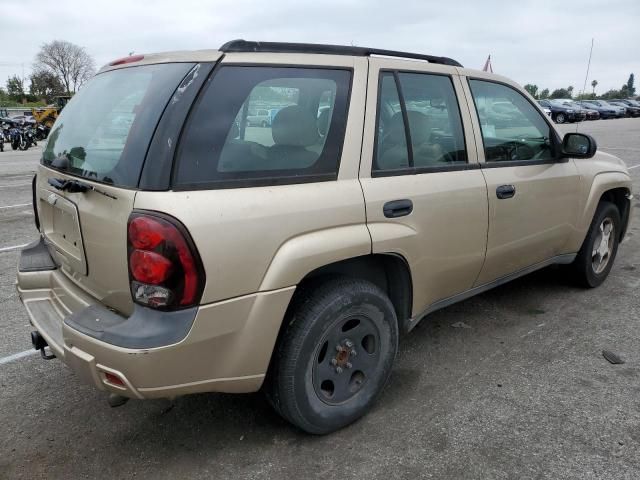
91 167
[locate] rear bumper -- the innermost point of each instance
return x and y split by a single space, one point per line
226 349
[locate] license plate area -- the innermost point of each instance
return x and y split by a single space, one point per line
61 226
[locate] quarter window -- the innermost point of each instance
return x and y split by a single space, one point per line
512 129
265 125
419 124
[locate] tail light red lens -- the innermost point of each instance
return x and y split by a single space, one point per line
149 267
164 266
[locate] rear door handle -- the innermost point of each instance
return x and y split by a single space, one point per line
505 191
397 208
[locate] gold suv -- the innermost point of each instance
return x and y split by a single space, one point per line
186 249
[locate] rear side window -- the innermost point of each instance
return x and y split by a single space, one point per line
104 131
263 126
419 124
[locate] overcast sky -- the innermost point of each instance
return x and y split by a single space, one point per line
543 42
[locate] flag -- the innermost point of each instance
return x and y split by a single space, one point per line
487 65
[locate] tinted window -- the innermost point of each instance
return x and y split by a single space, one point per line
104 131
512 129
265 125
431 119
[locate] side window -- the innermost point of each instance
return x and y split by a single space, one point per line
423 109
265 125
512 129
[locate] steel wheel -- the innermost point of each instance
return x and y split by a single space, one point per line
345 359
603 246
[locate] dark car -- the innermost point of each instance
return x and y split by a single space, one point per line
590 113
561 113
605 112
611 111
632 110
627 101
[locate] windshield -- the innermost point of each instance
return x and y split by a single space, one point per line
104 131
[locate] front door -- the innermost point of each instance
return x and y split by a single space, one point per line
533 193
426 198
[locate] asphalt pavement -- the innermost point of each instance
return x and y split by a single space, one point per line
510 384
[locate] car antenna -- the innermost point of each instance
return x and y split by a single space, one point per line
584 86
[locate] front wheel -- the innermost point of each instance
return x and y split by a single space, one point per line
560 118
596 256
335 355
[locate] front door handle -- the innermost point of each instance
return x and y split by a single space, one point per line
505 191
397 208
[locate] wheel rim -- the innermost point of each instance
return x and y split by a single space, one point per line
603 246
345 360
560 118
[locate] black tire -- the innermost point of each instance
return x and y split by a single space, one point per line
588 272
560 118
304 385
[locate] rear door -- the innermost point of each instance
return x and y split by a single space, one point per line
533 195
90 170
426 197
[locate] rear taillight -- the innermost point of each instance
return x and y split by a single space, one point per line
164 267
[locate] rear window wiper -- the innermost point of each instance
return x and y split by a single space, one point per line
75 186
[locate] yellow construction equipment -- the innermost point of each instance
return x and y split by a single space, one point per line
47 115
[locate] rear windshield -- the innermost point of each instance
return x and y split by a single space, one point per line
104 131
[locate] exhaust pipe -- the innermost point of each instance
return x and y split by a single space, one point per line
39 343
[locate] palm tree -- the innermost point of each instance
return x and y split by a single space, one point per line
594 84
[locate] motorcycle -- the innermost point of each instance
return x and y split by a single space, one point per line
42 132
15 137
28 137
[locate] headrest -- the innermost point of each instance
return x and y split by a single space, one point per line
294 126
323 121
420 128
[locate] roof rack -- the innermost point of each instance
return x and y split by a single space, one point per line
282 47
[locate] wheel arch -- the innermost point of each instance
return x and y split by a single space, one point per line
606 186
389 271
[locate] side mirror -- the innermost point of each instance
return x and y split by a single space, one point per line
579 145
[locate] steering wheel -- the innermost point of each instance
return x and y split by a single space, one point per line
519 151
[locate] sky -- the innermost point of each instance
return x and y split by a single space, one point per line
542 42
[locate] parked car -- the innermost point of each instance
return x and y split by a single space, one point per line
590 113
261 118
23 119
605 112
561 113
612 111
227 261
632 111
628 101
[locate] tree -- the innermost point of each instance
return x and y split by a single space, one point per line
532 89
544 94
561 93
69 62
570 90
630 88
15 88
46 85
594 84
612 94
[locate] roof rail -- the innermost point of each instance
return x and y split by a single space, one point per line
282 47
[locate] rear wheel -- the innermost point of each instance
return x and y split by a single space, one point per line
595 258
335 355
